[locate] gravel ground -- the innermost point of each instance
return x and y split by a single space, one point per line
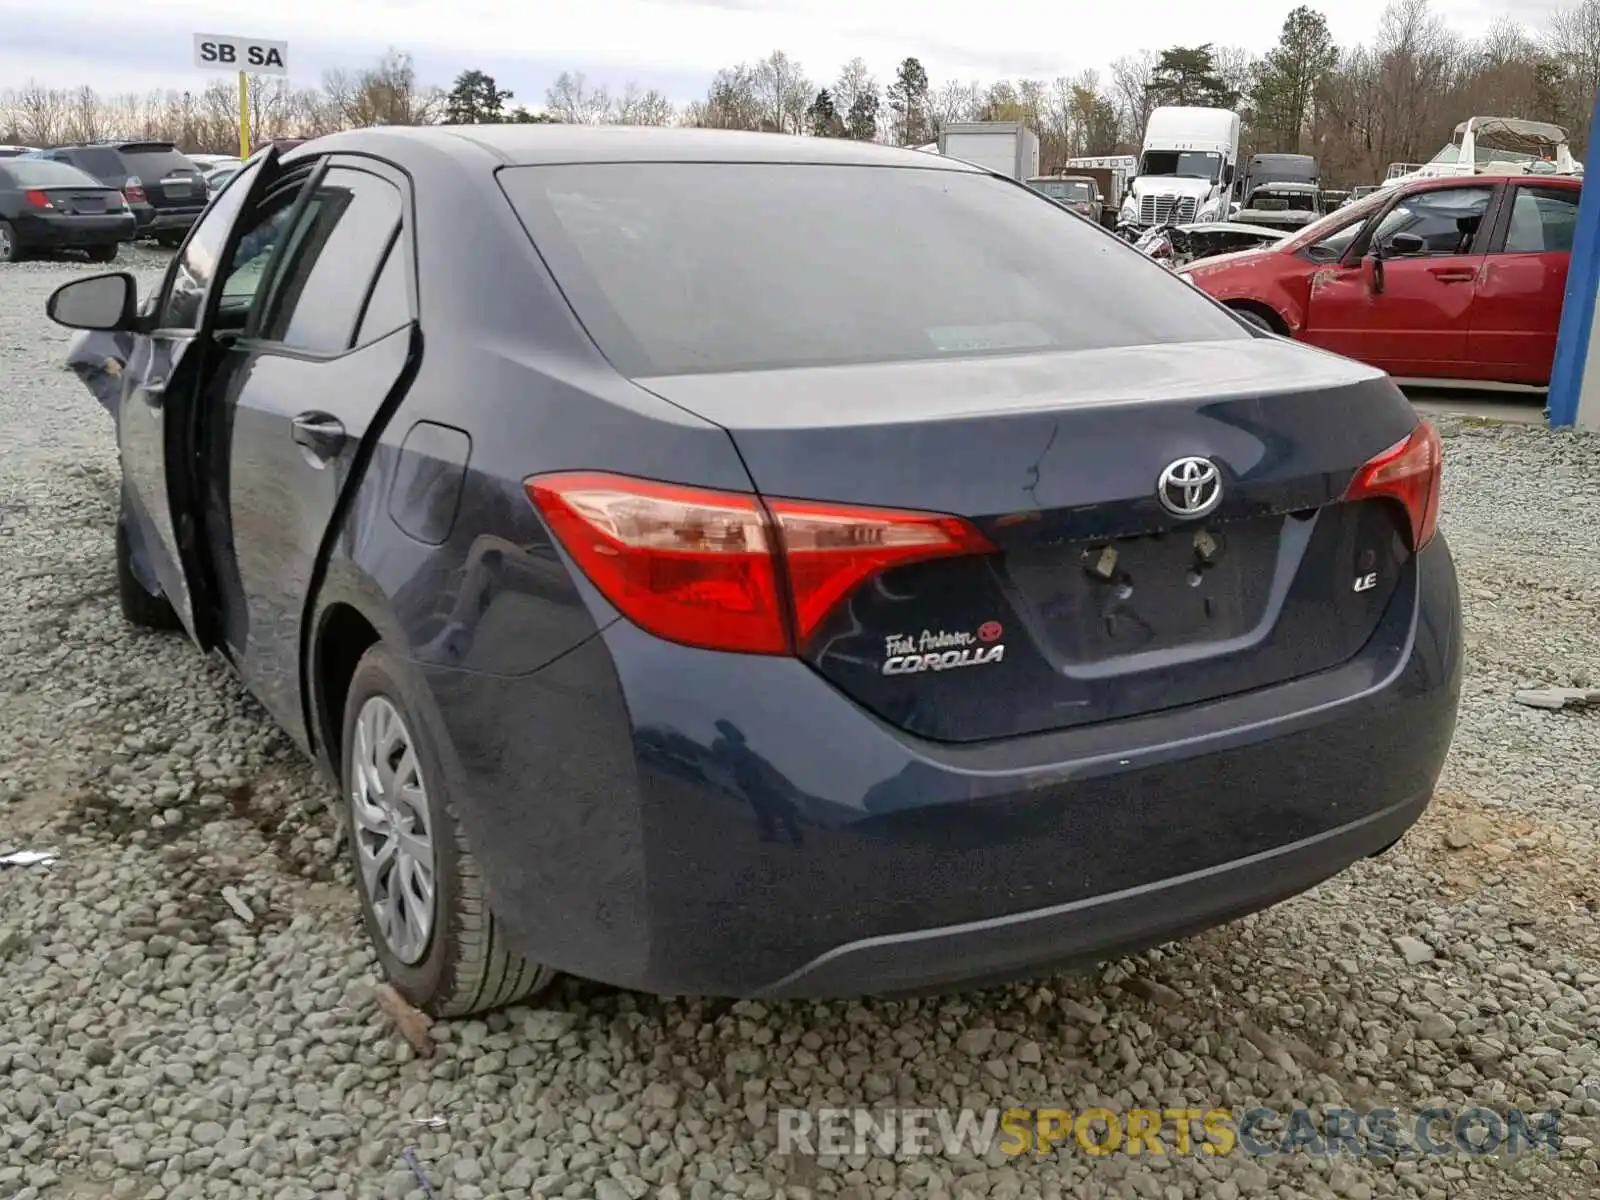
157 1042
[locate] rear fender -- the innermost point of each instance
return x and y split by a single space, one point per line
344 586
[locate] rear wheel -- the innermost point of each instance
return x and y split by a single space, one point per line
139 607
422 893
103 254
10 249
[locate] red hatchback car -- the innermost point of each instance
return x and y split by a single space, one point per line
1441 279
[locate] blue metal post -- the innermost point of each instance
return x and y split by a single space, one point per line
1578 305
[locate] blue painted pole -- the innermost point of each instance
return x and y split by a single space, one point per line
1578 305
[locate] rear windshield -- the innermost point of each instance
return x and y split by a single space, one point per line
695 267
152 163
42 173
100 161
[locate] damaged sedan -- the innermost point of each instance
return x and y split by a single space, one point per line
940 593
1435 280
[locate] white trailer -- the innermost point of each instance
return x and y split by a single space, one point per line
1007 148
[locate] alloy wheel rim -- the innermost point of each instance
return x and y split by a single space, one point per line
392 832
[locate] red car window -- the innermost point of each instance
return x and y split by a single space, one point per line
1542 221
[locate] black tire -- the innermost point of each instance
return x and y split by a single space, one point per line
467 966
139 607
103 254
1256 319
11 250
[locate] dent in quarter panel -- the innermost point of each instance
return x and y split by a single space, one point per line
427 482
493 597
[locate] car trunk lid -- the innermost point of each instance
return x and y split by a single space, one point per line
83 201
1101 600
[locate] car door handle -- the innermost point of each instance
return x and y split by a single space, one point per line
319 433
1453 274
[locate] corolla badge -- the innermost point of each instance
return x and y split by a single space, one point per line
907 654
1190 487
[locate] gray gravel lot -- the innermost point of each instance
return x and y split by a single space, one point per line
156 1043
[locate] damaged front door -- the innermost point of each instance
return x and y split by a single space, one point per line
167 367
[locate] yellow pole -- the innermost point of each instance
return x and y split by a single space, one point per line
244 115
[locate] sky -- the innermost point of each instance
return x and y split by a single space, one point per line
673 45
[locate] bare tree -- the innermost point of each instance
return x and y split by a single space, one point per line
571 100
42 115
1572 41
635 107
784 91
1131 76
731 102
855 80
954 101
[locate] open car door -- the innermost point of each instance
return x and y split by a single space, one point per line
170 361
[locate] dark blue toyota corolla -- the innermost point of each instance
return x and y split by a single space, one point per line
736 564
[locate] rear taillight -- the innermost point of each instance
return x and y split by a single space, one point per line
133 191
37 198
725 570
1410 471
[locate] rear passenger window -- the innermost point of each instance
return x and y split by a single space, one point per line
1543 221
338 246
390 305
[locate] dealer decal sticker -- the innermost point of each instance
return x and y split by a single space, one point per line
942 650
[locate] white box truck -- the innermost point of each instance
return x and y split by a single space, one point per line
1007 148
1186 168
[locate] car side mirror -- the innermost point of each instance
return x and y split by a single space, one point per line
104 303
1405 243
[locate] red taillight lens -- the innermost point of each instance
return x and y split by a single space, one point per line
722 570
830 549
687 565
37 198
133 191
1410 471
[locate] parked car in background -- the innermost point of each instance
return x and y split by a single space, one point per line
54 206
164 189
1080 193
995 603
7 151
1434 279
218 176
1178 245
209 162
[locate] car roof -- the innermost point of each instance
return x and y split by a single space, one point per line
1441 181
530 145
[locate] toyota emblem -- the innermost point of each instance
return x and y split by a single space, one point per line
1190 487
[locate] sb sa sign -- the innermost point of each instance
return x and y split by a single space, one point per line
226 52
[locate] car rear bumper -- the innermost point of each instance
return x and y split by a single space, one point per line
693 823
68 230
1083 932
167 220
